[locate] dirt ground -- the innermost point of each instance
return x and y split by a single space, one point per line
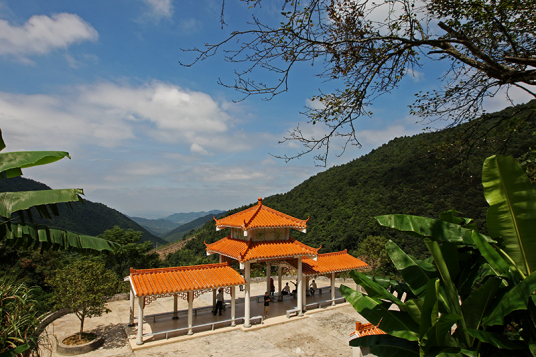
323 332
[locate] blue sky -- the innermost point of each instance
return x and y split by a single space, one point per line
147 136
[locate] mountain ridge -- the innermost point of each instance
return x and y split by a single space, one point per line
89 218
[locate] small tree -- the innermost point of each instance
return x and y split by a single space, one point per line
82 287
133 253
372 251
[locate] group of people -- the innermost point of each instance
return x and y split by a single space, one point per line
267 296
286 289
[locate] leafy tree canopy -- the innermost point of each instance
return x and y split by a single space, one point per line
368 47
82 287
133 253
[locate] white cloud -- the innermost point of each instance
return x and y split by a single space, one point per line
190 25
198 149
219 174
314 104
268 161
111 115
159 8
501 100
42 34
415 75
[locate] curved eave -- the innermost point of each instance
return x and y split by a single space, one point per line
280 257
223 226
333 271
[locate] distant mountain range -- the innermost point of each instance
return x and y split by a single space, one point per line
188 228
89 218
169 226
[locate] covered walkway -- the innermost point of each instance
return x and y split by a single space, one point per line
158 315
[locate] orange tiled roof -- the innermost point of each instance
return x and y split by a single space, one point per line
328 263
366 330
147 282
260 216
243 251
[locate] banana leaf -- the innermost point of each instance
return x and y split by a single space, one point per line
479 303
12 163
46 238
414 309
389 346
424 227
451 291
380 292
416 273
512 212
15 201
495 339
394 323
515 299
494 259
430 309
440 333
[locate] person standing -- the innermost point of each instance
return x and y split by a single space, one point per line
266 304
219 301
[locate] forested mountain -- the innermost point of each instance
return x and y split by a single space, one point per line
163 227
89 218
183 218
188 228
407 175
158 227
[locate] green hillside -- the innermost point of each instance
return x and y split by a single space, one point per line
403 176
157 227
88 218
183 218
179 232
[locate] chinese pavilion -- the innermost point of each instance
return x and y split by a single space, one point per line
259 235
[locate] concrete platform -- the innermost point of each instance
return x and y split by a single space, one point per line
320 332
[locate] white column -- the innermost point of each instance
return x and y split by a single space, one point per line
233 306
213 301
299 289
140 320
175 307
268 273
131 317
247 307
279 280
333 288
304 300
190 312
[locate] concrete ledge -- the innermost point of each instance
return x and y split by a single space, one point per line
68 350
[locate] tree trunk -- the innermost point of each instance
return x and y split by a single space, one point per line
81 326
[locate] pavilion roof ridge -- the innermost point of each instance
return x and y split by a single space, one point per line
257 209
367 329
180 268
242 255
333 253
260 216
304 245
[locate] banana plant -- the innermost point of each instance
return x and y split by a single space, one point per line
475 297
44 202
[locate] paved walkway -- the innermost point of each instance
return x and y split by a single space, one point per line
321 332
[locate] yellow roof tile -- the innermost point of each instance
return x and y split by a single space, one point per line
243 251
260 216
367 329
329 263
147 282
